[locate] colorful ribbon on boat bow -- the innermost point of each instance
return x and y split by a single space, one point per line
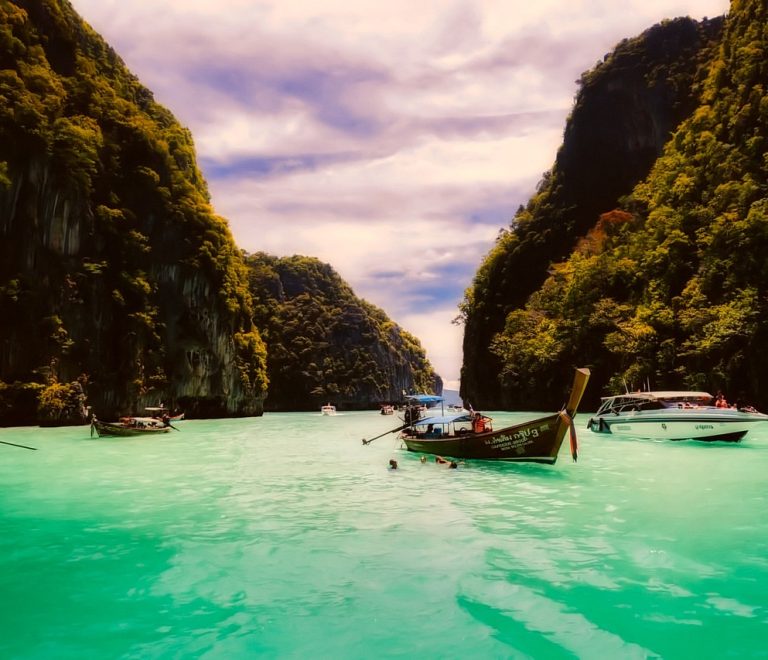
572 431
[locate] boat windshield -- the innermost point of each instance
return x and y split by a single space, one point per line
654 401
630 402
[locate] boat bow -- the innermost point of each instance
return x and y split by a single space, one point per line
580 380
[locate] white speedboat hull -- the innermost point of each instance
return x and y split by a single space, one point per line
713 425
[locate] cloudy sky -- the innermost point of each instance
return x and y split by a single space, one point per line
389 138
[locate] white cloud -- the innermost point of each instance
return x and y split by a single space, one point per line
445 341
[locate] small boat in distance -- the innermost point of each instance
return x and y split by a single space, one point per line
328 409
672 415
470 435
128 426
387 410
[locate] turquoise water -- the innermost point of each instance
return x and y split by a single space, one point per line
285 537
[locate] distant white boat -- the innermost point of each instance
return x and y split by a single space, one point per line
328 409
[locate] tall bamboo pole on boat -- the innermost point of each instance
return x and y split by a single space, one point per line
399 428
13 444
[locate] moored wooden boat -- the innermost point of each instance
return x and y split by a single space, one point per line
128 426
468 436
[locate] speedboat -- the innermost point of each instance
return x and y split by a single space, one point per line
328 409
672 416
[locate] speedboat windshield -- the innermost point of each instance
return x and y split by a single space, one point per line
653 401
627 402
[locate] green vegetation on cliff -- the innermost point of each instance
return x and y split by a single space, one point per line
625 111
671 288
326 344
114 270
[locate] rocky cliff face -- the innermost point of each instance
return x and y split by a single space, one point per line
626 110
113 268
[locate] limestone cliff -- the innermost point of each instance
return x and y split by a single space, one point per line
114 270
626 109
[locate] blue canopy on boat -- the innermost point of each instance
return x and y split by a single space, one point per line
424 398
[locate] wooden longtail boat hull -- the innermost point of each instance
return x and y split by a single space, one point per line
121 430
535 441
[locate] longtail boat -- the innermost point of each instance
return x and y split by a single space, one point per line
128 426
470 435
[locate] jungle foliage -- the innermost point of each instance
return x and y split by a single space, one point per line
668 286
327 345
104 217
